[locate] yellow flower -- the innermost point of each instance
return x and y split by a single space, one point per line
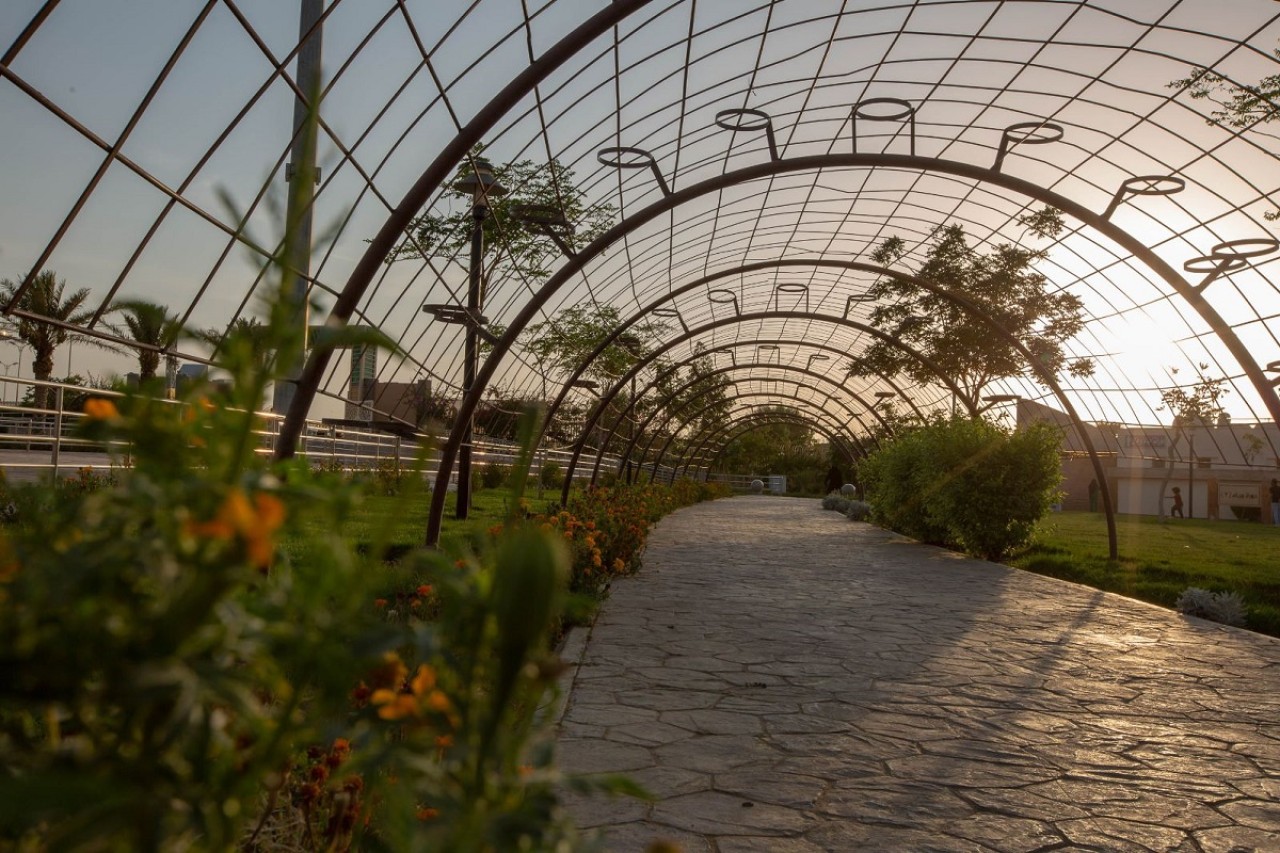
100 409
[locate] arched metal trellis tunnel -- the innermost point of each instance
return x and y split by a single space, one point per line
718 159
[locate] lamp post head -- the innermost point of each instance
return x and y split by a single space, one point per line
480 181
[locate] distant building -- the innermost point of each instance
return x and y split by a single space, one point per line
1223 469
387 400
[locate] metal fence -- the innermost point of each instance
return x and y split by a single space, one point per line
45 441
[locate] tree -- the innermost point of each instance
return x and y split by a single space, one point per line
514 249
150 324
248 333
1195 405
47 297
1236 105
1002 282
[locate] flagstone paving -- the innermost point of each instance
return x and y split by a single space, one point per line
782 679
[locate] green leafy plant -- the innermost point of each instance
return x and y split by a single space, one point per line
966 483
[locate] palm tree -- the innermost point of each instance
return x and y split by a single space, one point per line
149 324
44 298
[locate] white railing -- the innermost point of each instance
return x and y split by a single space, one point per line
37 442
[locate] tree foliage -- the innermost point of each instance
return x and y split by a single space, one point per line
149 324
1003 282
47 297
1196 405
512 248
966 483
1239 106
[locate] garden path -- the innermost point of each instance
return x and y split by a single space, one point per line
782 679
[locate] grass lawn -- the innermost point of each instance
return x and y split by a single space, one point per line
1159 560
402 520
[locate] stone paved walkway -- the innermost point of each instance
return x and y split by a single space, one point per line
784 680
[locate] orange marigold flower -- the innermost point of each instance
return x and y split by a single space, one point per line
427 813
391 673
444 741
100 409
380 603
423 680
424 590
437 701
393 705
255 523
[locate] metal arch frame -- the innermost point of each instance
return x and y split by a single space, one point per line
670 415
361 276
614 390
796 343
756 266
813 413
469 401
835 425
752 420
382 243
436 173
674 414
761 341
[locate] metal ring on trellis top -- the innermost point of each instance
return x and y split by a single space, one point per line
1213 267
791 287
750 121
721 296
1026 133
616 156
1145 185
1249 247
671 312
905 111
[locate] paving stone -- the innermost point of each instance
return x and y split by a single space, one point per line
767 785
715 813
638 836
596 755
864 692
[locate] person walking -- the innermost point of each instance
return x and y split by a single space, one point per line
1275 502
1177 503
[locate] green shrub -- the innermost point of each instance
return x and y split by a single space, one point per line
858 511
551 475
493 475
387 477
966 483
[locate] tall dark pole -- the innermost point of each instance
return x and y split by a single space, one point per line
471 352
302 195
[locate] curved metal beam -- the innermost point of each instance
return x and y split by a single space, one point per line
696 283
835 425
807 414
752 421
756 342
681 409
818 162
430 181
603 403
640 429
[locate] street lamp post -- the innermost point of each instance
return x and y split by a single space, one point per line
482 185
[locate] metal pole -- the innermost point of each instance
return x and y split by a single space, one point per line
470 355
302 193
57 429
1191 471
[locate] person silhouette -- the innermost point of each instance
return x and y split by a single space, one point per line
1177 503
